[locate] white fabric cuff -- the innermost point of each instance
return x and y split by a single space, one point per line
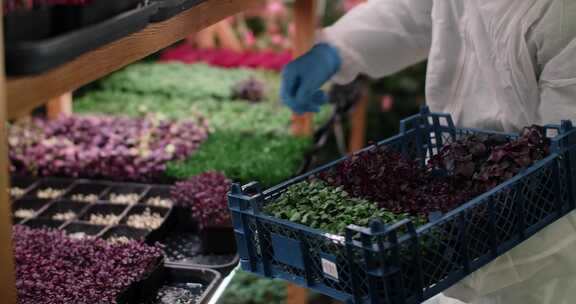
349 68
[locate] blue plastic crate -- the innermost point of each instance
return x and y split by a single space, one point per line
402 263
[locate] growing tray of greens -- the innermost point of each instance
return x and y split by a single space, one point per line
52 267
178 284
42 35
191 218
116 212
402 220
202 235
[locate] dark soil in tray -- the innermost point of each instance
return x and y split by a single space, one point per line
156 196
22 181
103 209
62 208
29 204
43 223
50 184
75 229
86 189
125 231
186 248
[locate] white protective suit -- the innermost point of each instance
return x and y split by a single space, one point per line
492 64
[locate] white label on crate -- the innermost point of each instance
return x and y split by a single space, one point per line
330 268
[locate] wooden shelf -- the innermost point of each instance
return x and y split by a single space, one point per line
26 93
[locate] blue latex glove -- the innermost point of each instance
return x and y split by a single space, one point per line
303 78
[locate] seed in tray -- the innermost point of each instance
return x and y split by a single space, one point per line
87 198
146 220
16 192
104 219
118 240
64 216
78 235
50 193
24 213
129 199
159 201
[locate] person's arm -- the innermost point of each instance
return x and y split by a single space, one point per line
380 37
552 43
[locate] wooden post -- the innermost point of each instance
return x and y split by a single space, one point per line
7 270
358 121
60 106
305 28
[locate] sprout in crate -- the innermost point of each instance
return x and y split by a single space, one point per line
316 204
51 267
250 89
206 196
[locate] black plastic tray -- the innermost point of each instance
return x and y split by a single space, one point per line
184 235
177 275
44 209
31 57
170 8
38 25
69 17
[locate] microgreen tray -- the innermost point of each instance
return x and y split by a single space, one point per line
178 284
31 56
404 262
70 205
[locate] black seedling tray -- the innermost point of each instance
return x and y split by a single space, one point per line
126 231
162 192
63 207
181 282
46 208
69 17
183 247
54 183
157 234
170 8
125 189
87 188
81 227
104 209
22 182
218 240
43 223
36 56
28 25
37 205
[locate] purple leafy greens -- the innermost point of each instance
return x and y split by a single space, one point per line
472 165
117 148
507 160
54 268
206 196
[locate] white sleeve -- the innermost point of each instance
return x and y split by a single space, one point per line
381 37
554 45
